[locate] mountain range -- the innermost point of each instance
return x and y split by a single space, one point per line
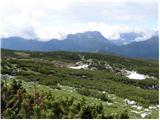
91 41
129 37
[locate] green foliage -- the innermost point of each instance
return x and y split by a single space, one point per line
98 80
93 93
39 66
19 104
149 67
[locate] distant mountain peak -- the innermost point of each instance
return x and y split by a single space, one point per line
90 41
88 34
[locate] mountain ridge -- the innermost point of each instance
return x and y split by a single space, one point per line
91 41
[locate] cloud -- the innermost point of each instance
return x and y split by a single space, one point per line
112 32
47 19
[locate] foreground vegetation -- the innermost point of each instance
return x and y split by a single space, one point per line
18 104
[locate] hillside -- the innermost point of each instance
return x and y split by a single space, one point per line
104 79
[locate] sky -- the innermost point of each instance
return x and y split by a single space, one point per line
47 19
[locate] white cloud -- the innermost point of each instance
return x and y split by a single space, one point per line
146 34
109 31
26 18
47 19
113 31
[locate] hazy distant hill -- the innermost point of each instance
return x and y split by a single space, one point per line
142 49
86 42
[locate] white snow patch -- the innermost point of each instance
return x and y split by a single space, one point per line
103 92
59 85
107 66
152 107
109 103
135 75
85 66
130 102
147 109
137 112
143 115
137 107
